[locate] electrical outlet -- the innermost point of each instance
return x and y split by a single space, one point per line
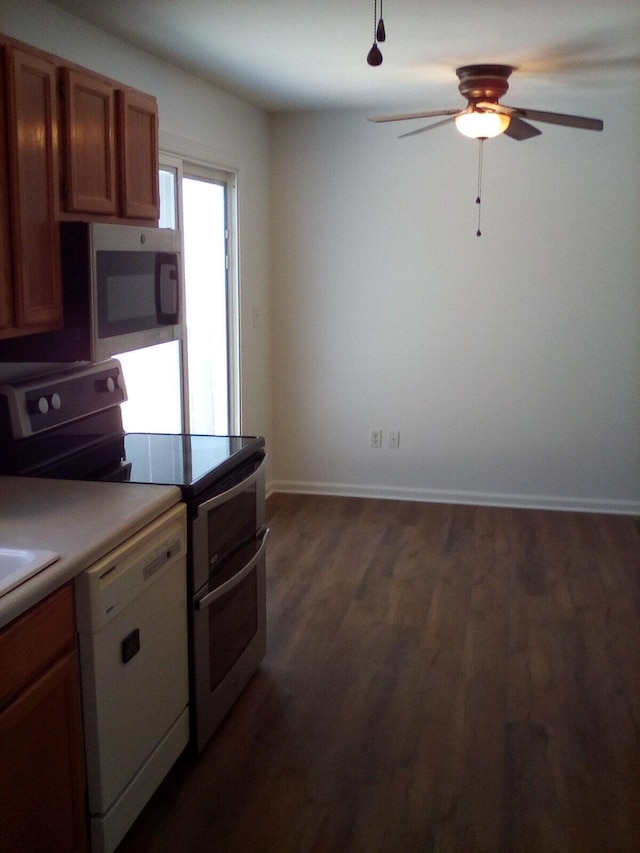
394 439
375 438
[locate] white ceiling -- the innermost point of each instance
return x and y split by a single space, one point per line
311 54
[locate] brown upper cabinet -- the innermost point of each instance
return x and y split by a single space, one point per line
110 149
73 145
137 115
89 137
33 296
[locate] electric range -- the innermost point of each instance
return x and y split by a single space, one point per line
69 425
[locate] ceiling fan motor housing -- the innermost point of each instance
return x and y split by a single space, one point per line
484 82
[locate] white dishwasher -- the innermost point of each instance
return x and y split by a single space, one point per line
132 629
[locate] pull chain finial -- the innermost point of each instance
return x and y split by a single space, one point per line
374 57
381 33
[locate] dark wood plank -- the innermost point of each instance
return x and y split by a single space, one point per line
439 677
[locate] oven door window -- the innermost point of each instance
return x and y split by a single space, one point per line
231 526
233 603
233 623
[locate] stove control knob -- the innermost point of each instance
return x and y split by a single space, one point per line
106 386
39 406
56 402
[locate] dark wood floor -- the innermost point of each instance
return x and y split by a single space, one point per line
439 677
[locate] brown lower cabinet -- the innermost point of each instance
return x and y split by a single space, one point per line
6 280
42 784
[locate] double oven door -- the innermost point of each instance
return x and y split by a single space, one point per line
228 597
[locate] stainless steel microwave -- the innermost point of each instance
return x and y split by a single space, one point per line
122 290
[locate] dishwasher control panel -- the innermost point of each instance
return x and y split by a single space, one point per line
111 584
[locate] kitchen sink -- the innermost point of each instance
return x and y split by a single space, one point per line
19 564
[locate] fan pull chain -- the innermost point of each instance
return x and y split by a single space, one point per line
374 57
479 196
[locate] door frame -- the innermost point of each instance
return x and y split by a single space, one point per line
193 167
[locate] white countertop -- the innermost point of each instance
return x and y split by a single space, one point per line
79 521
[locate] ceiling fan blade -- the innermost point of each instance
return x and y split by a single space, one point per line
410 116
551 118
561 118
430 126
520 130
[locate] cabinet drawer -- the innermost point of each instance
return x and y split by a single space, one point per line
31 643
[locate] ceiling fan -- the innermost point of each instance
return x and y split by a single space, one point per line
484 117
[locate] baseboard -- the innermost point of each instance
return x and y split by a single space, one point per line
567 504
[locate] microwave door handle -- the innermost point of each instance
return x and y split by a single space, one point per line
204 508
167 290
227 586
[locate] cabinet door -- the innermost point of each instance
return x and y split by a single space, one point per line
89 144
42 778
138 149
32 140
42 790
6 283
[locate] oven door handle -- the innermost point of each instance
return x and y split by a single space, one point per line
227 586
205 507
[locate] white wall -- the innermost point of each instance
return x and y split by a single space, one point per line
195 118
510 362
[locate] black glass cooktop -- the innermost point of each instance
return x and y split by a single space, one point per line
188 461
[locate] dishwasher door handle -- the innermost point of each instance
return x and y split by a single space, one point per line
209 597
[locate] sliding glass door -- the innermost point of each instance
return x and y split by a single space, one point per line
209 302
193 386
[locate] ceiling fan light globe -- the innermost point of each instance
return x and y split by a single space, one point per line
482 125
